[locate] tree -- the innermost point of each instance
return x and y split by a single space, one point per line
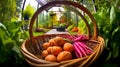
7 10
19 4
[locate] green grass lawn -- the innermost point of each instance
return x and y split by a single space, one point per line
37 33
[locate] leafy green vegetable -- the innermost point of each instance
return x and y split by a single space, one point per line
112 14
62 25
10 35
107 17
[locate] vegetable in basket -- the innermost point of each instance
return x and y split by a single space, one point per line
79 45
58 49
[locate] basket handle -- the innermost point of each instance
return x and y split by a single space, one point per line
53 3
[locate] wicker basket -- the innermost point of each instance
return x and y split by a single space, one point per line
32 47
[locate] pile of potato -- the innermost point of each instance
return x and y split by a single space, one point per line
57 49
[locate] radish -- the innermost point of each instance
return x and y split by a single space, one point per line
77 54
81 49
82 46
86 48
81 38
77 51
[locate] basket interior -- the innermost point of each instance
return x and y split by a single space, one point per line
36 47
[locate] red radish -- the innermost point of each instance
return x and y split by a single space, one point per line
81 38
86 48
81 49
77 51
83 46
77 55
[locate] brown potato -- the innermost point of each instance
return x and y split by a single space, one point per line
64 55
59 41
52 42
51 58
46 45
55 50
44 53
68 47
49 49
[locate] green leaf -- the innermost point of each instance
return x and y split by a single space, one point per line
2 26
114 45
109 55
62 25
13 27
16 49
70 27
112 14
115 2
115 50
115 31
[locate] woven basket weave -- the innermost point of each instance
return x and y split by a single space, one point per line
32 47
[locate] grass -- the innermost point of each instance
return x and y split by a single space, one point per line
37 33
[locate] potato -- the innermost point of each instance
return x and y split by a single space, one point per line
59 41
52 42
68 47
46 45
64 55
55 50
51 58
44 53
49 49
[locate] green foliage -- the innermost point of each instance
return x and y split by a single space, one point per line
82 26
29 11
10 44
63 25
114 43
11 35
7 10
103 22
107 18
70 27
